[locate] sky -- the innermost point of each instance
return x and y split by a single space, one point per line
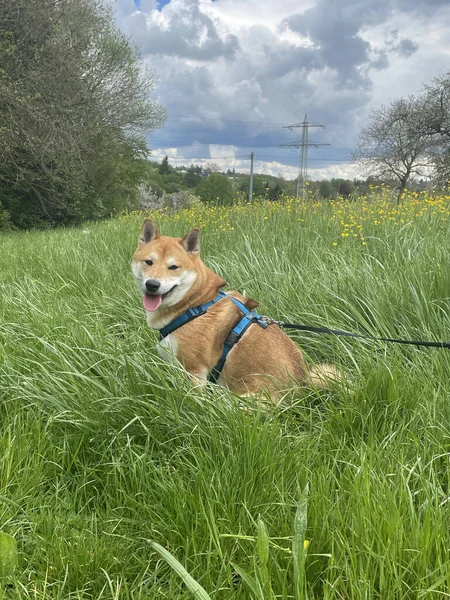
233 74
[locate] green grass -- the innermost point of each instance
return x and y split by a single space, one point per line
104 449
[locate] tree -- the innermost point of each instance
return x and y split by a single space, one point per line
74 112
215 188
436 122
394 144
211 168
275 192
346 188
325 189
192 176
436 108
259 190
164 167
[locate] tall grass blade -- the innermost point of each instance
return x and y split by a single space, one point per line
298 545
193 586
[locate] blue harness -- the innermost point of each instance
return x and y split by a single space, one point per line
233 337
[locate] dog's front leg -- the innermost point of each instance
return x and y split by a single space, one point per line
199 376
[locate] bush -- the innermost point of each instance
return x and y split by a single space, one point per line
215 188
151 199
5 219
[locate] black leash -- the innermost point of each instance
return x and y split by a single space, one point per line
314 329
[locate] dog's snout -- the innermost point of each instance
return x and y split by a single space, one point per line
152 286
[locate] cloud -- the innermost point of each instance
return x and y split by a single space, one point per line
407 47
180 29
233 72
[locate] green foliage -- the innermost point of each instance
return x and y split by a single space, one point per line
163 178
215 188
104 447
275 192
74 112
5 219
8 556
342 187
192 585
259 583
325 189
193 176
164 167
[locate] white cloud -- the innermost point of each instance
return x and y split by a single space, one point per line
233 71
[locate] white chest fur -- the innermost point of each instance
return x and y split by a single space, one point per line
167 348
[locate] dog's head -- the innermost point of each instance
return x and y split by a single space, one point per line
165 268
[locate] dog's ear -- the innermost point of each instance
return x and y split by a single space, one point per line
251 304
149 232
191 241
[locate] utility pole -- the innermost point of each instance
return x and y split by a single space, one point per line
304 144
250 189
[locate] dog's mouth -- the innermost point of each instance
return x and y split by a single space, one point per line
152 302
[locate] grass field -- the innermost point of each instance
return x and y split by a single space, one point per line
104 449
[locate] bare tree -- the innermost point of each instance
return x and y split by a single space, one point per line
436 107
394 144
435 121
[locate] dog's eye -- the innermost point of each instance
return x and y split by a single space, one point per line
173 267
148 262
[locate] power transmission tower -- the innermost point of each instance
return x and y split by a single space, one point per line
304 144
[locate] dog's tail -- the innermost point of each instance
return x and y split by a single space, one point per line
324 376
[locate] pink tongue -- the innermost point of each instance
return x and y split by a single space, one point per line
151 303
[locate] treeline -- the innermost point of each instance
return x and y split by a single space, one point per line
74 113
209 184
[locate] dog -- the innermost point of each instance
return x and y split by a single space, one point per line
174 281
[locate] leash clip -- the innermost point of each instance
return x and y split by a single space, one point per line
271 321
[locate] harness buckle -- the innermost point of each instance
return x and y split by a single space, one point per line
232 338
196 311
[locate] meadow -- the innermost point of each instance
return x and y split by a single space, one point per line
104 449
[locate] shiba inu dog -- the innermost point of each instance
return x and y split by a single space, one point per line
174 281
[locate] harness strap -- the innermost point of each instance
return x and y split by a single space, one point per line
189 315
233 337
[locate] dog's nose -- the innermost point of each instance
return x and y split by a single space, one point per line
152 286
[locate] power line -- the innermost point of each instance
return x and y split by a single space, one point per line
237 121
188 158
176 144
260 157
180 143
324 159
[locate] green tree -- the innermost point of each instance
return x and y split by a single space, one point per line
215 188
259 190
346 188
275 191
193 176
74 112
325 189
164 167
